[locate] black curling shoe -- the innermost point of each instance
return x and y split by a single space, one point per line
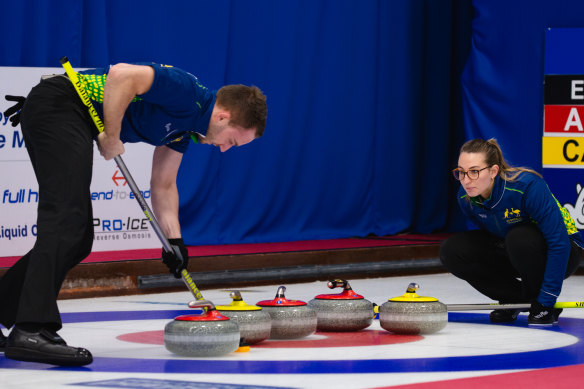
545 320
504 315
44 347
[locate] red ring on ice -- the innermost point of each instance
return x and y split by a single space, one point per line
329 339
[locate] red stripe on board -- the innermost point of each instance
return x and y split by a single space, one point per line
556 118
259 248
554 377
102 256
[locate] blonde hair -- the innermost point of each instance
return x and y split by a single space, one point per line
494 156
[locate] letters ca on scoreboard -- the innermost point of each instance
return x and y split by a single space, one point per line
563 132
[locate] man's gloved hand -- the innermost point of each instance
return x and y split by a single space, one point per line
542 315
172 260
14 112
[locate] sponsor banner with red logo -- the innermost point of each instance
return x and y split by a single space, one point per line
119 222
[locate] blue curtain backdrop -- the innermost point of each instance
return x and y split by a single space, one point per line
363 98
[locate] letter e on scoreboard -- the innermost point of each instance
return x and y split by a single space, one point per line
577 89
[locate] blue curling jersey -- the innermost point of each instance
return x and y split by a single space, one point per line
528 199
175 106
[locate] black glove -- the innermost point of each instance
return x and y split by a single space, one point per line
173 260
542 315
14 112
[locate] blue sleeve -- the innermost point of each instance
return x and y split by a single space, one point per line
543 209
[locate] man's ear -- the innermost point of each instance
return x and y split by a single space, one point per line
224 115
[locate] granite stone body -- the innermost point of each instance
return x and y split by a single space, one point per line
291 319
254 326
201 339
208 334
342 315
413 318
291 322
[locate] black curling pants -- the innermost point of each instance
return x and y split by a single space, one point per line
59 139
509 270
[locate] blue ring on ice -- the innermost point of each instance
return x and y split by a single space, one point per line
561 356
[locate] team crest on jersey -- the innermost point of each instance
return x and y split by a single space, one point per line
512 215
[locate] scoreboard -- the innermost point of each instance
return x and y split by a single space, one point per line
562 153
563 131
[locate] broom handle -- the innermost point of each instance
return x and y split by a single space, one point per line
476 307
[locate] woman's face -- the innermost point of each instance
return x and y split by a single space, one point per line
475 162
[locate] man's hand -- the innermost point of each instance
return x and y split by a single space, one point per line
109 147
14 112
172 260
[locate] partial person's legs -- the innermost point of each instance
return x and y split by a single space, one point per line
59 140
527 251
479 258
575 259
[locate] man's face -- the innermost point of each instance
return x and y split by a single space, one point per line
224 135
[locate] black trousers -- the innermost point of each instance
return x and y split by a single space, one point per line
58 135
509 270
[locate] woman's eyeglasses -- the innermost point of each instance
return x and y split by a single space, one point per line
472 174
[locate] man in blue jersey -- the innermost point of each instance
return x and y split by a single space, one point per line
156 104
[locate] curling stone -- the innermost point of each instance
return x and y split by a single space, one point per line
254 323
345 311
412 314
291 319
209 334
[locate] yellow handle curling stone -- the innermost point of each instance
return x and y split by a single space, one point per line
254 323
411 314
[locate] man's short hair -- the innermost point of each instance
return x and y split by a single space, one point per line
247 105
